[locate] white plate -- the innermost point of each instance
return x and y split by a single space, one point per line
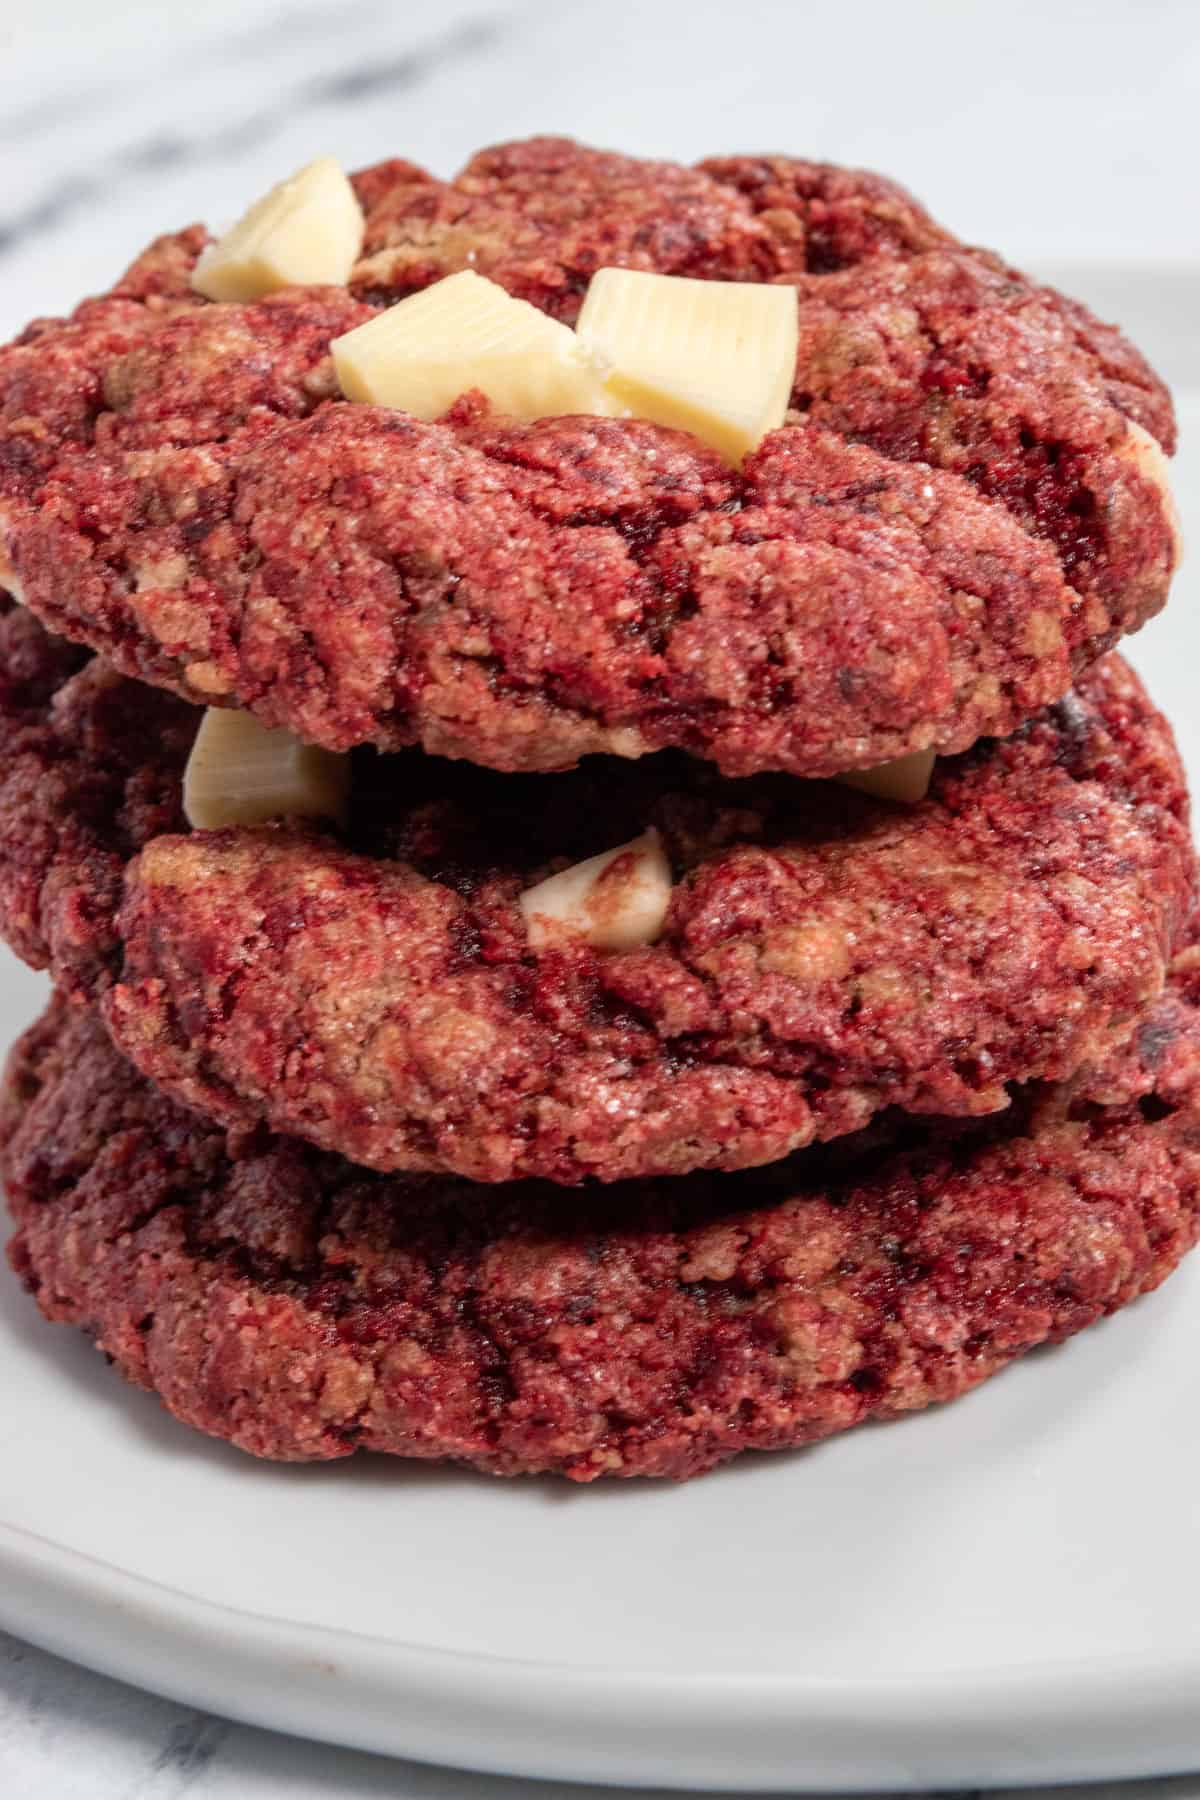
1007 1590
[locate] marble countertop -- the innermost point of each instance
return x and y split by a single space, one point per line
1062 133
66 1734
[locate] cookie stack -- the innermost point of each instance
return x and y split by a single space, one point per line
594 941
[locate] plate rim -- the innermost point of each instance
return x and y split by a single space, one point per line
1105 1718
1093 1719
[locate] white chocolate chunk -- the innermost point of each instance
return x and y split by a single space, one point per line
906 779
242 773
466 332
616 901
307 231
1146 455
716 358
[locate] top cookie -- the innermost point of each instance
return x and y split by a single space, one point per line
966 506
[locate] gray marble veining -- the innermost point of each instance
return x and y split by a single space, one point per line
353 80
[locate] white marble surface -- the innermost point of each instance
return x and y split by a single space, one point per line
67 1735
1064 132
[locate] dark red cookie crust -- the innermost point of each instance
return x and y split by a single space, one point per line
91 769
302 1309
824 957
954 522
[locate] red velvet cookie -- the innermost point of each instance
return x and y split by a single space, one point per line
823 957
301 1308
966 507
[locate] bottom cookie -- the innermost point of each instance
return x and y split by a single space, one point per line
304 1308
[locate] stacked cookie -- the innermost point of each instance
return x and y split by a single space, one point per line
699 954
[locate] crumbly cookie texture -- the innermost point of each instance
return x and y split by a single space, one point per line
303 1309
822 956
949 527
91 769
817 963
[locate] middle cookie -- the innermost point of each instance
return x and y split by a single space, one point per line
823 956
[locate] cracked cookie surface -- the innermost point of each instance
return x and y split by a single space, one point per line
958 517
